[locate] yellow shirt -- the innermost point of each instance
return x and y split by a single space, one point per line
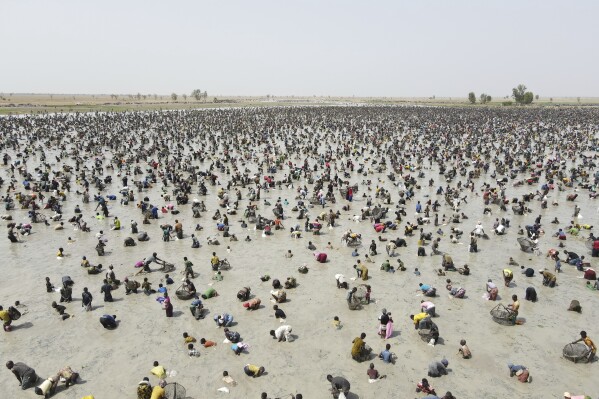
157 393
507 273
189 340
4 316
214 260
357 347
253 368
159 372
420 316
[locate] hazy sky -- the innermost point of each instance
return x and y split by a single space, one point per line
322 47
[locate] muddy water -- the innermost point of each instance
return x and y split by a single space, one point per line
112 362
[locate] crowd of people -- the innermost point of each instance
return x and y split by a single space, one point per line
371 191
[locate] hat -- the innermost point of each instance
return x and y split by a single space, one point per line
567 395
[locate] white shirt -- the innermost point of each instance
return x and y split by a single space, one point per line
282 331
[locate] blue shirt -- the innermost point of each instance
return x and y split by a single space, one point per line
196 302
425 287
386 356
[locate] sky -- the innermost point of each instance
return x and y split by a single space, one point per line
396 48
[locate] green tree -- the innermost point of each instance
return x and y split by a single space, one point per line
197 94
521 95
518 93
528 97
184 97
537 97
483 98
472 97
489 98
551 99
174 96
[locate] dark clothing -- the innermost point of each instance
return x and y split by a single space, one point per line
340 384
529 272
66 294
60 309
279 314
86 298
436 369
169 309
25 374
107 291
108 322
384 319
531 294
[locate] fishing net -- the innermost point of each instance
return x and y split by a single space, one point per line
377 213
503 315
361 293
174 390
526 244
355 303
517 209
577 353
184 294
427 330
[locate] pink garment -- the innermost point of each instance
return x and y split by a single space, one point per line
389 330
